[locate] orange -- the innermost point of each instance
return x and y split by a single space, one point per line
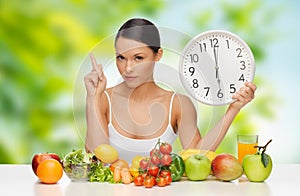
49 171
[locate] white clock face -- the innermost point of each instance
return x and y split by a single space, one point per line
215 65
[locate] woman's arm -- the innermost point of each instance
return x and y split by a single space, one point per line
214 137
96 107
96 119
187 121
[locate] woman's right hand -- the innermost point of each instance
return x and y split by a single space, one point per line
95 81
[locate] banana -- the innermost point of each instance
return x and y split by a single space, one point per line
189 152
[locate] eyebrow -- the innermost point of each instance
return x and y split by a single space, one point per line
137 54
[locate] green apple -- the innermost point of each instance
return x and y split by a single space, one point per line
197 167
257 167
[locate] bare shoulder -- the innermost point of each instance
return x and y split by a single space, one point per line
182 100
182 104
183 111
104 105
109 90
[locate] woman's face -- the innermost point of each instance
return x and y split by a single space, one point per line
135 61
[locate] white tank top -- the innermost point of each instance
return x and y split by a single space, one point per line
129 147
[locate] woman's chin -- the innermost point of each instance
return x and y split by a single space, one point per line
132 85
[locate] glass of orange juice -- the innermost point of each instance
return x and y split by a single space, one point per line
246 145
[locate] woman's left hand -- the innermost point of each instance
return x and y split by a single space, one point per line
244 95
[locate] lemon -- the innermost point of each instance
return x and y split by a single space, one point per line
106 153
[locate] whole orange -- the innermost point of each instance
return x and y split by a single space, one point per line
49 171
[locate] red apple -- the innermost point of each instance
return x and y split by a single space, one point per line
226 167
38 158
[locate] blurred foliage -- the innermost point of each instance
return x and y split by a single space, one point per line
43 42
41 45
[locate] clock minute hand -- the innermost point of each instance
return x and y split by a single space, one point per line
217 66
216 62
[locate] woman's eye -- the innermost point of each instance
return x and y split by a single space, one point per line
139 58
120 57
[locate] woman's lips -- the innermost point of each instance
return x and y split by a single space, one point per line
130 78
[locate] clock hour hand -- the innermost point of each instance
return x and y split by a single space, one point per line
219 81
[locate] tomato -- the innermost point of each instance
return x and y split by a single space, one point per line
161 181
139 180
153 170
165 173
149 182
144 164
166 160
168 180
155 160
165 148
155 182
144 175
154 151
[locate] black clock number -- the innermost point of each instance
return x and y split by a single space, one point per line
195 83
192 70
239 50
214 42
194 58
207 90
220 94
242 78
202 47
243 65
227 41
232 88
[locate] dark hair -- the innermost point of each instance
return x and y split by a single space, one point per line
141 30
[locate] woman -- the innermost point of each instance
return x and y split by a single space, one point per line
132 115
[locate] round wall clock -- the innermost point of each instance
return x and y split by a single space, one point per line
215 65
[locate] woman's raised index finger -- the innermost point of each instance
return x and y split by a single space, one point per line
94 64
97 68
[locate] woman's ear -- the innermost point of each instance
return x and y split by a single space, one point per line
159 54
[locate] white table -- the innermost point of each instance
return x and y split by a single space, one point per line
20 180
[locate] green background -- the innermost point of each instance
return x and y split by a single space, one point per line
43 45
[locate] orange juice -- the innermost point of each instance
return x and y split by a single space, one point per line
244 149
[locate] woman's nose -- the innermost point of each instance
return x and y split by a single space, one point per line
129 66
